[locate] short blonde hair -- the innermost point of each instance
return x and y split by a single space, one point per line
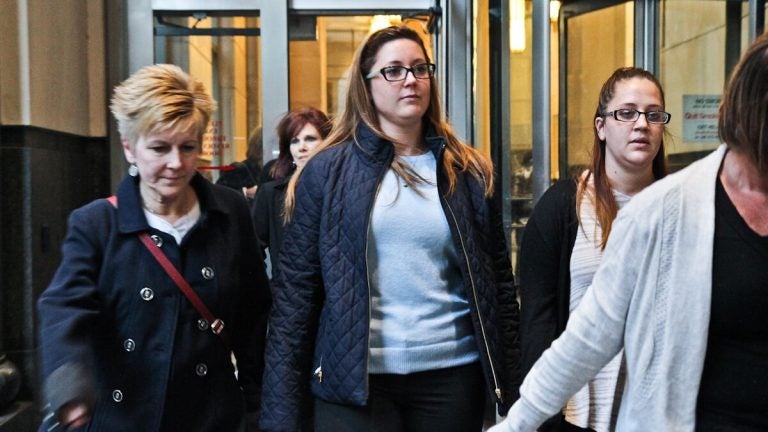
159 98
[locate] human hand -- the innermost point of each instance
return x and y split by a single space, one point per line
250 192
74 415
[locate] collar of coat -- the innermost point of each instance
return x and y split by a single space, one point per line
382 149
131 217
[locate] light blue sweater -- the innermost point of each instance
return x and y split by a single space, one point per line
650 295
420 317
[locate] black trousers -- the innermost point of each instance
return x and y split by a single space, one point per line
443 400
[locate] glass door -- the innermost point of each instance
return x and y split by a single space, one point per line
307 45
595 40
320 57
222 50
700 43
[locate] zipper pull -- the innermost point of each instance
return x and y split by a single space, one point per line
319 374
498 393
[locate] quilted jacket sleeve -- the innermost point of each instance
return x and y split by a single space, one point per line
297 298
508 312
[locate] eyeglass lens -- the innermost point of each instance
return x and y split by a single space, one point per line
397 73
629 115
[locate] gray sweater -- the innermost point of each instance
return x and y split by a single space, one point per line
650 296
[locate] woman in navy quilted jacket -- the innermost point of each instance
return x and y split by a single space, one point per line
395 304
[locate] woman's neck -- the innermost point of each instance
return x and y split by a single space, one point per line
408 141
628 180
168 209
739 173
630 183
747 189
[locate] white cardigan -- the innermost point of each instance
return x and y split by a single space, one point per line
651 296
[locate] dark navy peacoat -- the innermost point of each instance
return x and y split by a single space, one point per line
115 329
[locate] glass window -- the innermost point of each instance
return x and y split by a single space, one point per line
700 41
223 52
319 64
520 118
597 43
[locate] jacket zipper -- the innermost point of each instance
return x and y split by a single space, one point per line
496 389
368 273
319 371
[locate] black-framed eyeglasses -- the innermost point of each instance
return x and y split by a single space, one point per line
400 73
630 115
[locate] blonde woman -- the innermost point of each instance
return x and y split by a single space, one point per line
123 349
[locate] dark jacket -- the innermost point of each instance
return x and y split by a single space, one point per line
267 213
320 318
244 174
113 322
544 276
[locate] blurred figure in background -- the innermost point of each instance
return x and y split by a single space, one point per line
246 175
299 132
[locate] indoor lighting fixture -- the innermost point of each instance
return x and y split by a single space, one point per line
517 26
379 22
554 10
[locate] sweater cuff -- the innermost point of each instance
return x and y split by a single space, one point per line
70 382
522 417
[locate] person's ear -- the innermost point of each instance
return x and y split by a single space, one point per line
127 150
600 127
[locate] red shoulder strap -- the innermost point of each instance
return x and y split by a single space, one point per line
217 325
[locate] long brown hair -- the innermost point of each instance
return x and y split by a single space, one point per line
359 108
606 207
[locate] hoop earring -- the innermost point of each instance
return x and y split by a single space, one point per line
133 170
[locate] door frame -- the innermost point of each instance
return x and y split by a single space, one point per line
130 25
574 10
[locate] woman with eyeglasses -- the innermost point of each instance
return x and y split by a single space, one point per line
395 288
564 238
681 288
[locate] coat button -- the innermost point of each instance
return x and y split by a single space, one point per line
202 324
117 396
201 369
157 239
147 294
207 273
129 345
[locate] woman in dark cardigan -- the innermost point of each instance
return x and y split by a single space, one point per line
565 236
